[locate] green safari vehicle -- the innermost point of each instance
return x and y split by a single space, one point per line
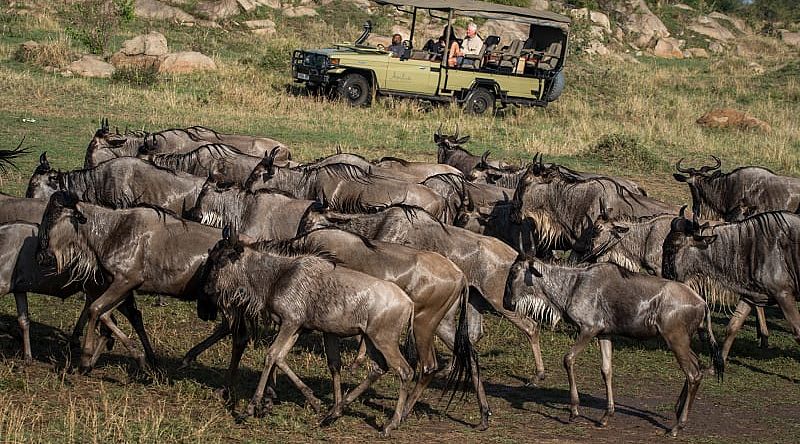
528 73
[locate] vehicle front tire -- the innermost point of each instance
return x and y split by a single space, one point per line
479 101
355 90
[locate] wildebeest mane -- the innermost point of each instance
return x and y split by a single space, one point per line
344 171
364 240
394 159
187 161
297 246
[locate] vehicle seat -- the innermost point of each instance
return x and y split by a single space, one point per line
550 57
475 61
509 59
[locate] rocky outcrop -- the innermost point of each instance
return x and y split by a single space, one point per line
156 10
668 48
218 9
265 28
143 51
91 66
299 11
185 62
642 27
731 118
737 23
711 28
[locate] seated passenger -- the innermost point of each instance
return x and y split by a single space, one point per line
396 47
455 48
472 44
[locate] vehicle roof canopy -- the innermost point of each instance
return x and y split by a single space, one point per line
472 8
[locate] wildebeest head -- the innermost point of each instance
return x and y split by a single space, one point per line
208 205
45 181
107 145
601 236
525 292
696 176
58 231
447 142
264 170
226 252
684 239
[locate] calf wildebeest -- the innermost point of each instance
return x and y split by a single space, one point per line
485 261
563 208
182 140
106 145
143 249
756 259
119 183
261 215
21 274
743 192
604 300
305 290
342 184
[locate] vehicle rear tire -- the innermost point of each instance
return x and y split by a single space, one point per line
355 90
556 87
479 101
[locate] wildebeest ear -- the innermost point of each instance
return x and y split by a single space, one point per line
462 140
44 164
680 177
533 270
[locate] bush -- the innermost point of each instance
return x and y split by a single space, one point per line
137 76
625 151
56 52
93 22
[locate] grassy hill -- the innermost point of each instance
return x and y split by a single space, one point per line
613 114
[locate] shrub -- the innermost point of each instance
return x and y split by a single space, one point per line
57 52
624 151
137 76
93 22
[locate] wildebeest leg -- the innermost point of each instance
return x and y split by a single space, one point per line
129 310
531 329
126 341
81 323
680 343
239 339
387 354
287 336
220 332
734 325
606 351
23 320
569 364
116 293
312 400
334 358
763 331
361 355
788 304
335 412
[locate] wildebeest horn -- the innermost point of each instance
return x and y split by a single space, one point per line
485 157
43 160
338 148
683 170
104 123
457 131
708 168
682 213
603 212
439 131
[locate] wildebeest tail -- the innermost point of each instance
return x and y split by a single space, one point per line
463 352
716 353
410 347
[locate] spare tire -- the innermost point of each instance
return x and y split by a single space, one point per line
556 87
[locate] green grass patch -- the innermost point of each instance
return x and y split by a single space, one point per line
625 151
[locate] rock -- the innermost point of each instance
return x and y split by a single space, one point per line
683 6
711 28
299 11
542 5
731 118
598 19
247 5
597 48
155 10
274 4
259 24
185 62
636 19
152 44
698 53
716 47
737 23
140 61
506 30
91 66
668 48
29 46
756 68
218 9
790 38
264 32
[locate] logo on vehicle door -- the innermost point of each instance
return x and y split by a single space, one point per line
400 76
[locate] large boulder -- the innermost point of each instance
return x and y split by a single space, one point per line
218 9
155 10
91 66
634 16
151 44
542 5
506 30
299 11
731 118
698 53
709 27
668 48
185 62
264 27
737 23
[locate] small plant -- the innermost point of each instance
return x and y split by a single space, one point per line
95 21
137 76
625 151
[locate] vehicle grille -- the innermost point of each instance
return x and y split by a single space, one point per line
310 60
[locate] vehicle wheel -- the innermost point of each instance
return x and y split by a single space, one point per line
556 87
355 90
479 101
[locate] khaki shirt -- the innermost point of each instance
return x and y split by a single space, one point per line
472 46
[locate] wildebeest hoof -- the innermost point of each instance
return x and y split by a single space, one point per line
330 418
85 369
484 425
541 376
385 433
185 364
573 415
315 405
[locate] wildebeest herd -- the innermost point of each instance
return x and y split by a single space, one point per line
392 248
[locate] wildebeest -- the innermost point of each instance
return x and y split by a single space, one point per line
20 208
485 261
757 259
743 192
562 208
302 290
183 140
106 145
342 184
21 274
449 152
119 183
261 215
143 249
604 300
415 171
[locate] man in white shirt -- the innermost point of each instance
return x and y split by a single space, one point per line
471 45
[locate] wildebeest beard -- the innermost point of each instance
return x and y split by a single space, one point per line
529 301
60 238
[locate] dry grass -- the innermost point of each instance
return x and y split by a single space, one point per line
56 52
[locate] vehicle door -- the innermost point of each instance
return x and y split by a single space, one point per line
412 76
